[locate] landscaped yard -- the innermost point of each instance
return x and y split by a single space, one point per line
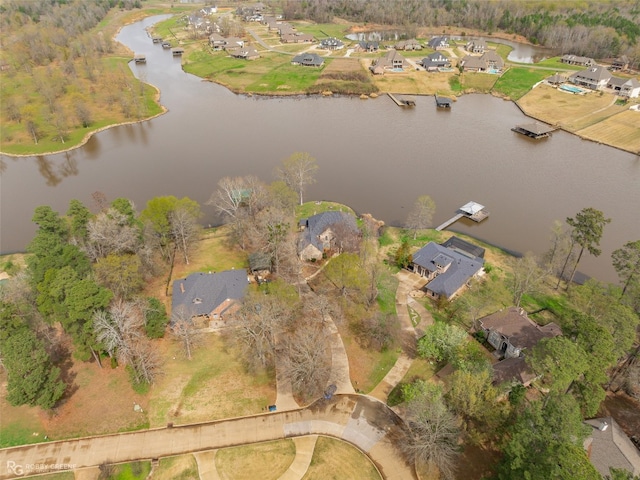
266 461
335 459
517 81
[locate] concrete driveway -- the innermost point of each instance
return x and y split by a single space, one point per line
362 421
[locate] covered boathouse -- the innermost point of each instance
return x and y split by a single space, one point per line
534 130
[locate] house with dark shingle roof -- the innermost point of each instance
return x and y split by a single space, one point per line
435 61
308 60
438 43
320 233
367 46
609 447
411 44
595 78
464 247
331 43
621 63
446 270
511 332
209 295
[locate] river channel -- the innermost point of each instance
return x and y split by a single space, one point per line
372 155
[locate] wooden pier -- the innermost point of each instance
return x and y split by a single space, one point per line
534 130
402 101
471 210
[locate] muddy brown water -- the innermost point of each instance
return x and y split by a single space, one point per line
373 156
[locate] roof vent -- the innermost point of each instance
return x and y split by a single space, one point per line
197 301
603 426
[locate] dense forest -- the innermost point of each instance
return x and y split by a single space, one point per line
595 28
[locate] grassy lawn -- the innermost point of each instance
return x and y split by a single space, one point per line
478 82
517 81
555 63
131 471
309 209
333 459
266 461
183 467
211 386
561 108
286 78
620 129
323 30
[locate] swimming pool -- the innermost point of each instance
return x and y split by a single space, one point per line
572 89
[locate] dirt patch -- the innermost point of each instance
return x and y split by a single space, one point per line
337 459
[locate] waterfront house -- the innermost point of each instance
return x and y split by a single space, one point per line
208 295
323 232
407 45
435 61
457 244
492 60
308 60
476 46
331 43
447 270
577 60
391 62
511 332
366 46
594 78
630 88
472 63
438 43
296 37
620 63
248 53
608 447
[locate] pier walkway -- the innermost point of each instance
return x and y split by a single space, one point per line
449 222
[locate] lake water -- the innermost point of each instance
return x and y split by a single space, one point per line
372 155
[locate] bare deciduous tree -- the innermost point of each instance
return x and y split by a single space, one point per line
183 329
526 276
421 215
433 434
110 232
308 360
185 230
298 171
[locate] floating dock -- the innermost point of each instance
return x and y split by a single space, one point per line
177 51
471 210
402 101
156 39
534 130
140 58
443 102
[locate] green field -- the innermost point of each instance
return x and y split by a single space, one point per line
517 81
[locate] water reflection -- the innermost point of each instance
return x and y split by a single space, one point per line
53 172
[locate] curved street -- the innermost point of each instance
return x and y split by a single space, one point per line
362 421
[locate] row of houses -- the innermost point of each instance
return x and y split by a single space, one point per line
598 77
234 46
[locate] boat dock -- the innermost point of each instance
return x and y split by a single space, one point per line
177 51
534 130
471 210
140 58
443 102
402 101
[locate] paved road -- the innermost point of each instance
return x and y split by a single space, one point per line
362 421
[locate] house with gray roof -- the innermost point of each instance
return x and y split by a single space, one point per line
487 62
438 43
476 46
331 43
248 53
620 63
447 271
434 61
464 247
308 60
322 232
594 78
630 88
391 62
367 46
609 447
208 295
296 37
577 60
